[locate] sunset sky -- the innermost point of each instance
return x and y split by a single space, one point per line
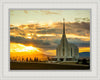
34 32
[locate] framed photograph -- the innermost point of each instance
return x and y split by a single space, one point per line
49 40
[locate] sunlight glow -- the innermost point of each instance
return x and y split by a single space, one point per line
19 51
50 23
45 35
17 47
29 37
28 34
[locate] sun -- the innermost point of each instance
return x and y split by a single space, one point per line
50 23
29 48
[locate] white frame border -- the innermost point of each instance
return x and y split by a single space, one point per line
4 73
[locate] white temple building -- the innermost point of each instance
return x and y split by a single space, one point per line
66 51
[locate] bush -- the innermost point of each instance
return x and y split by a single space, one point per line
84 61
78 61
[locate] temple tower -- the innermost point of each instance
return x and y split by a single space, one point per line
66 51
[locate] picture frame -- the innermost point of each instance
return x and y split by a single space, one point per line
92 74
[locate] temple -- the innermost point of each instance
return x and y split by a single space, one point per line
66 51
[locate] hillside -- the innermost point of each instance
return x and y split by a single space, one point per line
84 55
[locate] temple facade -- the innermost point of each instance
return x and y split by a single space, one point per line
66 51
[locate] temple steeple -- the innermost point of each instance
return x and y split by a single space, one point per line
64 37
66 51
63 26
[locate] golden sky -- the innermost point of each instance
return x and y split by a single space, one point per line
38 32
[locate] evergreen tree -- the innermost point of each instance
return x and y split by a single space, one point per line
37 59
27 59
34 59
84 61
22 59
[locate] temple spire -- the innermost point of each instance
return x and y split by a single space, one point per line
63 26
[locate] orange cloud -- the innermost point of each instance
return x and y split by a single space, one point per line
51 52
84 49
25 11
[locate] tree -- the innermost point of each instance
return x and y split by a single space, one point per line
34 59
22 59
48 58
31 60
37 59
84 61
26 59
78 61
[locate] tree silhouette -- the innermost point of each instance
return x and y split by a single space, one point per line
31 60
84 61
78 61
27 59
36 59
22 59
48 58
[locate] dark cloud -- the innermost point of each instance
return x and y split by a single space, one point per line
39 28
82 25
83 44
31 26
79 42
51 42
82 19
12 28
57 41
20 40
47 44
17 31
81 29
48 31
44 44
